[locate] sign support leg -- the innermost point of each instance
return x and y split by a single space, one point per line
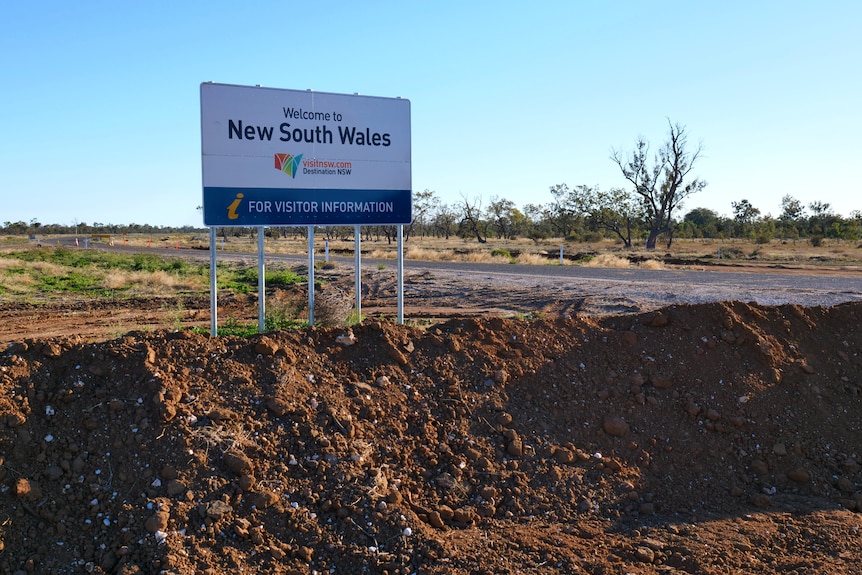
357 257
400 267
261 281
310 275
213 288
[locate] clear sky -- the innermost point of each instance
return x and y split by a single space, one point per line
100 101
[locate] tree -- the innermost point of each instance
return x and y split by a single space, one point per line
520 224
702 217
537 221
424 204
389 232
820 209
615 211
822 219
501 213
471 218
745 214
444 221
661 188
562 213
791 209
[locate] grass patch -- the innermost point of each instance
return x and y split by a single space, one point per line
100 259
284 278
532 259
608 261
284 311
156 280
244 280
272 322
232 327
381 254
652 265
71 282
354 318
96 272
422 254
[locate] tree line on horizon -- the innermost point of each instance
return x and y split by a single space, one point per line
589 214
578 214
647 209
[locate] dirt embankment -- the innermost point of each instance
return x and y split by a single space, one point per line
714 438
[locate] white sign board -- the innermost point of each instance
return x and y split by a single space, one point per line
289 157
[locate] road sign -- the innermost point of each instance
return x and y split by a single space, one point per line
290 157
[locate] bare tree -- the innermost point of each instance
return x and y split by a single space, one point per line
471 217
661 188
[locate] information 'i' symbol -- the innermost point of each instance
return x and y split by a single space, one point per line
231 209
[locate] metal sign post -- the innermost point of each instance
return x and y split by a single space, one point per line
357 264
261 282
400 274
310 275
213 285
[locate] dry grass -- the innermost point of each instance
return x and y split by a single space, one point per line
7 264
652 265
16 283
332 306
422 254
483 257
223 438
11 281
42 268
468 250
151 280
380 254
529 252
532 259
20 277
608 261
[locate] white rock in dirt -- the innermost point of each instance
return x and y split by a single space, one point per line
346 339
382 381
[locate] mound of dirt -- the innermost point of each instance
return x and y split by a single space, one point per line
715 438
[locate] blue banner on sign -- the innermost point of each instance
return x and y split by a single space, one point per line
305 207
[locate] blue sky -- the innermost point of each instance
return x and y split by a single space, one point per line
101 111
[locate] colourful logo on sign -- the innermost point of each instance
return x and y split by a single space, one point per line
287 163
